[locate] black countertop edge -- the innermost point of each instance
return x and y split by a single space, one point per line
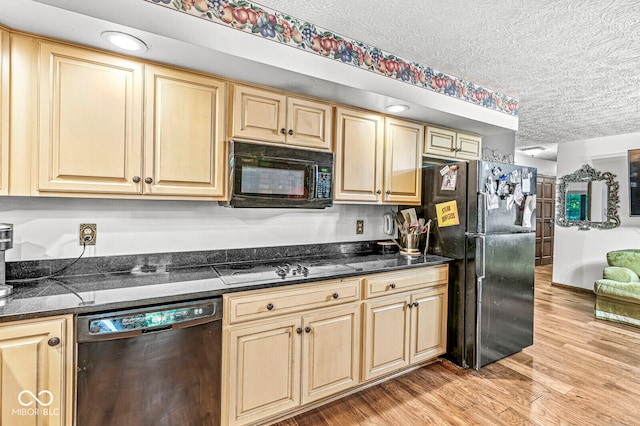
46 299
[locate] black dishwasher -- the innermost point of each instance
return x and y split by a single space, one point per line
150 366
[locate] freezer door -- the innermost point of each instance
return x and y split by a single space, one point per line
505 277
503 218
448 241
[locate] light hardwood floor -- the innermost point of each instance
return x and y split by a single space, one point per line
579 371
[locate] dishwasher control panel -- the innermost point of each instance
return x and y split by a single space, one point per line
147 320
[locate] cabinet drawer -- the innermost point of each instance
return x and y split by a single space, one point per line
267 303
397 282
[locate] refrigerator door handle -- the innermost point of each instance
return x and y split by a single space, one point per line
478 323
480 274
482 246
482 212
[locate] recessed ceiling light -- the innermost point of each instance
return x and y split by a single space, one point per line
533 150
396 108
125 41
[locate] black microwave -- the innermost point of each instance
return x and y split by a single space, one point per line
275 176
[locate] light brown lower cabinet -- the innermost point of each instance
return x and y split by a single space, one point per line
289 347
403 330
36 361
276 365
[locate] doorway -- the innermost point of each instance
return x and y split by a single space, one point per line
546 208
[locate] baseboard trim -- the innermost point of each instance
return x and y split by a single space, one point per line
610 316
572 288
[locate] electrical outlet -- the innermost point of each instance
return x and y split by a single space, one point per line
88 234
359 226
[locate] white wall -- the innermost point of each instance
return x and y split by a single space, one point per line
47 228
544 167
500 144
579 256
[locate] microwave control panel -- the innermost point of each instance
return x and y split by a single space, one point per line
323 188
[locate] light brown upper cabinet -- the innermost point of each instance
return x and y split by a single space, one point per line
449 143
90 121
402 161
267 116
4 112
91 127
377 160
184 136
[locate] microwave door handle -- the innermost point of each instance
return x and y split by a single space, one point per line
313 178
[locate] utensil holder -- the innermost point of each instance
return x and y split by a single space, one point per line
410 243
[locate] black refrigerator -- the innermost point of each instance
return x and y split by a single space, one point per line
493 244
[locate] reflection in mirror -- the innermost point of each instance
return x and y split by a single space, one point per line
577 201
598 201
588 199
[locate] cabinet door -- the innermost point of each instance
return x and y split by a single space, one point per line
258 114
330 352
4 112
428 324
264 370
402 161
440 142
309 124
358 156
469 146
90 121
184 120
35 384
386 336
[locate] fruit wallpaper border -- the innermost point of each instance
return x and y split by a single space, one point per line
282 28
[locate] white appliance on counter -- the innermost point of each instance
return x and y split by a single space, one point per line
6 242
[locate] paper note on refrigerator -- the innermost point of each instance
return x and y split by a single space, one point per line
447 213
529 207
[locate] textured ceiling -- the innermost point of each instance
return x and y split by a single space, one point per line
574 65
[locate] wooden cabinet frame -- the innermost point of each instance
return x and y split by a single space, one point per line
4 112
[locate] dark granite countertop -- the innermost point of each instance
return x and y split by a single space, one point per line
90 293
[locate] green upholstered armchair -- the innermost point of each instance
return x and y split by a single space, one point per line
618 292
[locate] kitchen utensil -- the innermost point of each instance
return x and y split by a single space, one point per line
410 216
427 229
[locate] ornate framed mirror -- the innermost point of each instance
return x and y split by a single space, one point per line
588 199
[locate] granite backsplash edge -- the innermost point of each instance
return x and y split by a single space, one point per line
18 270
